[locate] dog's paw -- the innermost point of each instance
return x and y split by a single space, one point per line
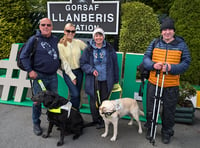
60 143
113 138
104 135
130 122
140 131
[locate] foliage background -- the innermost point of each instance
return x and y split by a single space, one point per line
14 24
139 25
186 15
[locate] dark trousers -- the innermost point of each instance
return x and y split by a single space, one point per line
75 90
169 99
104 94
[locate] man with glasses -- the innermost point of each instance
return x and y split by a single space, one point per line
43 67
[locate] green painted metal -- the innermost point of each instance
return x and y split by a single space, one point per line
128 82
116 95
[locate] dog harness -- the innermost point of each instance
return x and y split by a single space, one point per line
66 107
108 114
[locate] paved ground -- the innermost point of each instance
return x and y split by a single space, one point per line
16 132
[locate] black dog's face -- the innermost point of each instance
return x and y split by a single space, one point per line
39 97
49 99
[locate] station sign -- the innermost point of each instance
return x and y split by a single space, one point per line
86 15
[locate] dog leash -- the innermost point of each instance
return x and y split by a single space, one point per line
97 94
42 85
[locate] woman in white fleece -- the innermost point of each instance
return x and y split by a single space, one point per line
70 52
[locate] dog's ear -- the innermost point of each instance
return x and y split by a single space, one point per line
102 109
53 100
38 97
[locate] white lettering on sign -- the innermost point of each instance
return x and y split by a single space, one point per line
83 17
82 7
53 18
69 18
60 18
86 27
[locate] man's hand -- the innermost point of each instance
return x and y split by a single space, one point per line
32 74
166 67
158 66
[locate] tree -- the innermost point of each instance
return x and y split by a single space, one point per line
162 6
14 24
186 15
139 25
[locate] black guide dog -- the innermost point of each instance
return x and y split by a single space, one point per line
72 124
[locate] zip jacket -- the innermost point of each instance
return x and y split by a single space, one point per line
175 53
87 63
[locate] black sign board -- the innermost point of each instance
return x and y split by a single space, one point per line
85 15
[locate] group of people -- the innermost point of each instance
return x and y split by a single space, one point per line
98 60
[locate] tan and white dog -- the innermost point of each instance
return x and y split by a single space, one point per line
112 110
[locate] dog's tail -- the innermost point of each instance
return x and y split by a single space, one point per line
141 112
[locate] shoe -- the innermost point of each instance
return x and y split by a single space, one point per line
100 125
37 129
148 133
166 138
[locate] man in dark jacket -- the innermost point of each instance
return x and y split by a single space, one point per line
170 55
99 62
44 67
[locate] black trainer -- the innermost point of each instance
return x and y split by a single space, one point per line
166 138
148 133
37 129
100 125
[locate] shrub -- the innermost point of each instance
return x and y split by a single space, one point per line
186 15
14 25
139 25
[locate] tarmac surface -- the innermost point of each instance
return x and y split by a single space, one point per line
16 132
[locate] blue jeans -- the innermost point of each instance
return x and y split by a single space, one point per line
74 90
51 84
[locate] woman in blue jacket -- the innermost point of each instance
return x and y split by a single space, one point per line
99 62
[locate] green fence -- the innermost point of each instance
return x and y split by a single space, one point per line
129 83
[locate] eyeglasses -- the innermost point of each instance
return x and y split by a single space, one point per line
72 31
48 25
